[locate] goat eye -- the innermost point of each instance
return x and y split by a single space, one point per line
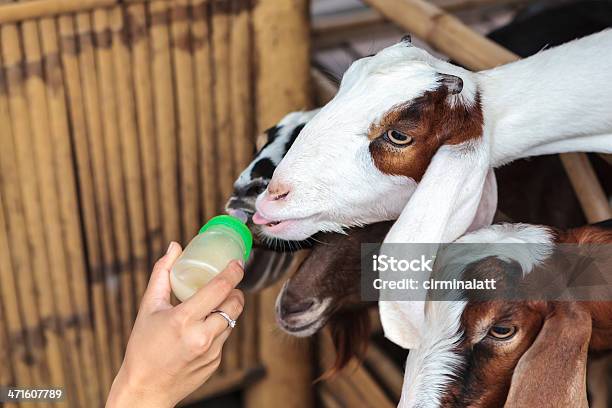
398 138
502 332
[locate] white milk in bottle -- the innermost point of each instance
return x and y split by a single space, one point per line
222 239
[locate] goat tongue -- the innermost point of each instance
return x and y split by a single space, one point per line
260 220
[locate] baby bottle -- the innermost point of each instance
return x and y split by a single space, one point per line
222 239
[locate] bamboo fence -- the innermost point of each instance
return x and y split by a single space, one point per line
124 124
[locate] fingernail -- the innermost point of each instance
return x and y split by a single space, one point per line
241 263
170 247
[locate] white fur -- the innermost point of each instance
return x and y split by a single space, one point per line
555 101
430 366
528 256
277 150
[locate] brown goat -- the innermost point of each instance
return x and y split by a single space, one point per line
326 288
521 353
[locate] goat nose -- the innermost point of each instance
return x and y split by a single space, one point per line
251 189
278 190
295 307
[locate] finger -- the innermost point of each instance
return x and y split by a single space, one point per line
158 290
216 348
210 296
233 306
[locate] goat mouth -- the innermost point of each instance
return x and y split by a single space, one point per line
278 227
305 323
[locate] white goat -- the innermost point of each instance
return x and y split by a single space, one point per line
404 117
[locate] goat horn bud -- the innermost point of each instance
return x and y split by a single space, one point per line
453 83
407 38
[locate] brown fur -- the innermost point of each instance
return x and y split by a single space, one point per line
350 332
552 372
333 271
544 364
431 121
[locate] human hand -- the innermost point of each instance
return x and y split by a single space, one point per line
174 349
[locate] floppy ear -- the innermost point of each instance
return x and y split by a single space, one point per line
552 373
488 204
441 209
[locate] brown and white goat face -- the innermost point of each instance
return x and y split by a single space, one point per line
493 353
327 282
360 158
500 354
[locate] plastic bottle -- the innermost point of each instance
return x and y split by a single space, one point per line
222 239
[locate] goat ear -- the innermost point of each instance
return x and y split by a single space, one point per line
552 372
407 39
488 204
453 83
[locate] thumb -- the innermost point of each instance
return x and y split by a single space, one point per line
158 291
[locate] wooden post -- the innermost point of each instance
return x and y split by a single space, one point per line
282 74
449 35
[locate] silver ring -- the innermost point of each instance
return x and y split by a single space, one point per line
230 322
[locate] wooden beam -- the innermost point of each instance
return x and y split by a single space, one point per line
323 87
354 21
606 157
353 385
385 370
282 79
30 10
449 35
590 194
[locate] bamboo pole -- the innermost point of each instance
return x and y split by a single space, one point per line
130 158
165 119
95 139
281 38
33 279
324 88
328 399
242 135
10 204
114 162
204 106
241 82
66 179
51 229
33 9
353 383
455 39
607 157
6 371
141 66
185 98
220 39
590 194
70 67
385 370
13 321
